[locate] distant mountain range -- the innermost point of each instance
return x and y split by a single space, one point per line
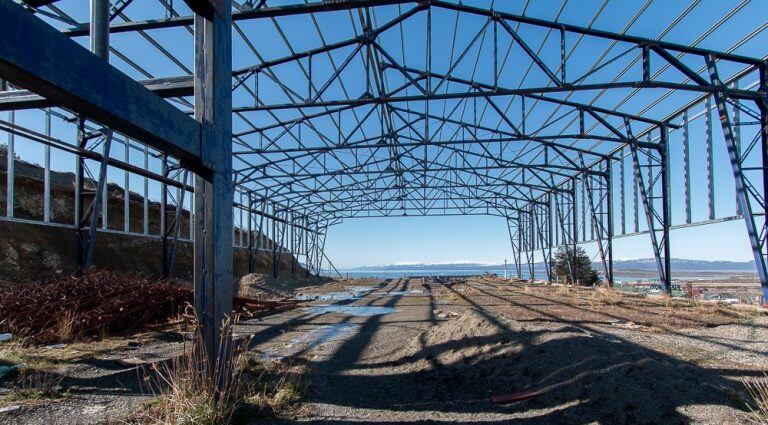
678 264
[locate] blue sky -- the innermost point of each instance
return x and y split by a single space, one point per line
471 238
390 240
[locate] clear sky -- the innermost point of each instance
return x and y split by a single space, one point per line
391 240
472 238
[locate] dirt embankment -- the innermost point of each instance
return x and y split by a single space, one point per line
30 251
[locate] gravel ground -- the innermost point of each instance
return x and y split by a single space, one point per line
402 351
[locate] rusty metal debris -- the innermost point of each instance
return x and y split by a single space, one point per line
101 301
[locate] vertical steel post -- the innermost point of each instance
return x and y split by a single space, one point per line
665 210
10 168
514 241
687 167
99 33
293 245
575 238
763 107
550 236
622 194
275 270
170 231
609 218
598 226
126 188
213 187
756 237
86 239
710 160
164 215
87 245
145 206
251 238
660 245
47 176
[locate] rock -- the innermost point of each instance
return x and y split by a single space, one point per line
6 337
11 370
95 409
81 389
9 409
131 361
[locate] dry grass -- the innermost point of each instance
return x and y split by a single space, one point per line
191 392
65 325
563 290
275 387
606 296
34 385
758 390
187 392
725 310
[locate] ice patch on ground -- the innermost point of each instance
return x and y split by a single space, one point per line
351 310
350 293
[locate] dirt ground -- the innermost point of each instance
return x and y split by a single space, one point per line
386 351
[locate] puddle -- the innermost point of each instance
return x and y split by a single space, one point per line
403 293
310 339
351 310
326 333
350 293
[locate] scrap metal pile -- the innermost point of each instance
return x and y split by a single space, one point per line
70 307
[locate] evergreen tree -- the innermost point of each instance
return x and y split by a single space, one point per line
585 274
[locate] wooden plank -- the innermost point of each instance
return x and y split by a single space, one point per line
36 56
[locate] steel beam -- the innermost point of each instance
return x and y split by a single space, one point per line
214 193
35 56
163 87
260 13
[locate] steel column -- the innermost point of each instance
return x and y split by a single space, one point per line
657 218
214 193
87 220
757 237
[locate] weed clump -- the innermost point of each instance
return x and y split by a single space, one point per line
236 388
606 296
35 385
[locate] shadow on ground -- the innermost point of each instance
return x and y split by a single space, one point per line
454 368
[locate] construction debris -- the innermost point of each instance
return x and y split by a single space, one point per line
514 397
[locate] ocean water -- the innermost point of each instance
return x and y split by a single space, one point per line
618 277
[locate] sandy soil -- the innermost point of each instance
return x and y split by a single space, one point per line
442 354
407 352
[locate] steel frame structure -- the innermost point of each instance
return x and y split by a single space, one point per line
286 141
